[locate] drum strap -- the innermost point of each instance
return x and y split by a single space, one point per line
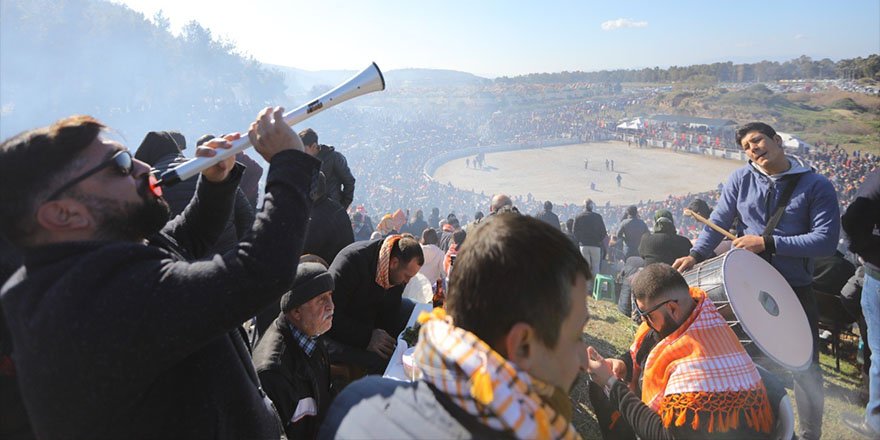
784 198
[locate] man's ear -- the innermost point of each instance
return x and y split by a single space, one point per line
60 216
519 344
393 263
778 140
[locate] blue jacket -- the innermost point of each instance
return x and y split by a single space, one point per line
810 226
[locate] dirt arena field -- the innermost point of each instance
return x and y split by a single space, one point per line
558 174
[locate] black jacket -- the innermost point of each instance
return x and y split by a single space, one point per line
632 231
160 151
862 218
378 408
361 304
123 340
663 247
550 218
290 376
329 230
340 181
589 229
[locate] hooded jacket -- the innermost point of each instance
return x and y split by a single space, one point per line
809 228
340 181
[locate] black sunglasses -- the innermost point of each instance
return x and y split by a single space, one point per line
647 313
121 160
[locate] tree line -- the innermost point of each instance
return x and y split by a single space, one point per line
802 67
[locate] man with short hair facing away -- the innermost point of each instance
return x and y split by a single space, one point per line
434 257
548 216
502 362
809 227
631 231
340 181
369 277
119 332
291 359
697 381
589 230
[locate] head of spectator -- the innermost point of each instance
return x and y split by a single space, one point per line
569 224
499 201
458 237
588 205
478 216
663 298
548 206
204 138
632 211
763 147
429 236
158 145
700 207
406 258
308 305
663 222
310 141
419 215
88 188
398 219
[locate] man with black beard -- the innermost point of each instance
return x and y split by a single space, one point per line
118 332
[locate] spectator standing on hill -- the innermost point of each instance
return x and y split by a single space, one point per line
547 215
590 232
340 181
631 230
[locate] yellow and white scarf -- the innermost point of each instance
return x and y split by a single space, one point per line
484 384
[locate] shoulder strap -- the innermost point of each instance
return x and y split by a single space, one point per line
784 198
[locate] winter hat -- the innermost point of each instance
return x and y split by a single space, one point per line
312 279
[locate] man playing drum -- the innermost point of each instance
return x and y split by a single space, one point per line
809 227
697 381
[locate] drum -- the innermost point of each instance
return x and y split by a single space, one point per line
759 306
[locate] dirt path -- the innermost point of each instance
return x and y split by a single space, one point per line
558 174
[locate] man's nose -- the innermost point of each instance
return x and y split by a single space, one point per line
139 168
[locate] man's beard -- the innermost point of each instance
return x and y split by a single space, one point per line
669 326
128 221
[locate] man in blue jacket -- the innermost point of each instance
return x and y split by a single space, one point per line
809 228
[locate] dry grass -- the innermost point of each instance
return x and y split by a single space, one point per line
611 333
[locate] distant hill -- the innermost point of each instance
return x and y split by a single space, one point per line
300 82
433 78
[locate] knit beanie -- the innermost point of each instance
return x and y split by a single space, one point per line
312 279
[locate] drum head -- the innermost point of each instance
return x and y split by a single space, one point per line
768 310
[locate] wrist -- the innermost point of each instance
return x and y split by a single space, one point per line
769 244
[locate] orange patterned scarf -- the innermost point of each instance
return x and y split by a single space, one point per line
383 267
702 369
484 384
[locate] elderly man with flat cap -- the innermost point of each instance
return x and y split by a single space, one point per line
291 360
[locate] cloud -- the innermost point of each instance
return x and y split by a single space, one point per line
621 23
799 37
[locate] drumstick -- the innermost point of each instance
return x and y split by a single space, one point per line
709 223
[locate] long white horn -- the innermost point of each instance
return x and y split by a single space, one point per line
368 81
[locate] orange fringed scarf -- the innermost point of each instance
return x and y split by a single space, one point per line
383 267
702 369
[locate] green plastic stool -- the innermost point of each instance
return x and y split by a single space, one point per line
603 287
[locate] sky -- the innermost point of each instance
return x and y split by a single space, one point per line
504 38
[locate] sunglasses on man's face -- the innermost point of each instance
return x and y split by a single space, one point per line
122 161
646 314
